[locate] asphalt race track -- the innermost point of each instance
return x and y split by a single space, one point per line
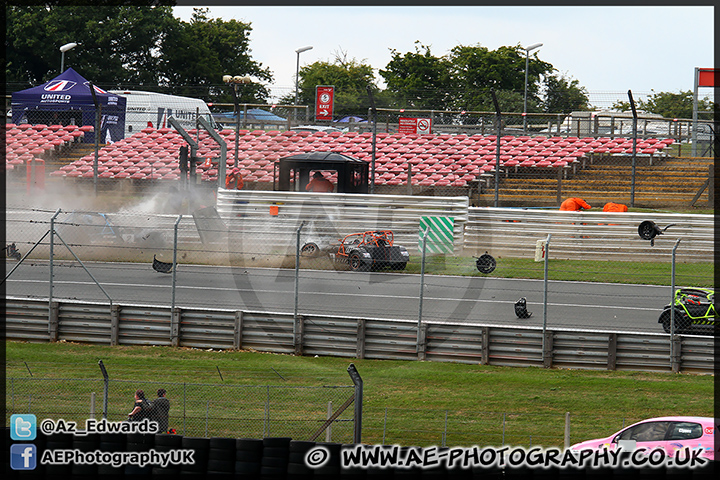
487 301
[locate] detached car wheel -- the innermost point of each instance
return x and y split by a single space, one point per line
485 263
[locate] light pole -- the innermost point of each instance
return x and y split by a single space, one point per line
297 73
235 81
63 49
527 63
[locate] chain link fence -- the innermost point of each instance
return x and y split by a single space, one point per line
199 410
463 428
299 412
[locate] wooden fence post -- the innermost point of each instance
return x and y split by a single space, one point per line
175 327
485 345
360 349
237 330
547 354
422 342
612 351
53 321
114 324
299 333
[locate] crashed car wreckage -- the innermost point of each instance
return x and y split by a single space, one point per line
364 251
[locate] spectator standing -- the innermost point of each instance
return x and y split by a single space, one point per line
161 411
574 204
319 184
141 409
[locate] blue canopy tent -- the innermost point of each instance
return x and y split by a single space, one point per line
67 99
252 114
351 119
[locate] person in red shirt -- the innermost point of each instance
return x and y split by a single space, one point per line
319 184
234 180
574 204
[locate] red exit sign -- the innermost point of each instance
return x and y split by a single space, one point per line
324 102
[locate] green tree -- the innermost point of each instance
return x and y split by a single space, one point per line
418 79
476 70
349 77
118 44
132 47
669 105
564 95
196 54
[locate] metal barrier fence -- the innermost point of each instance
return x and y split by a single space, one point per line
198 410
259 411
255 224
32 320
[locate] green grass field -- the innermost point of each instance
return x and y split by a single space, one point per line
409 403
646 273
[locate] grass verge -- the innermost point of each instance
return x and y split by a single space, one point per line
646 273
409 403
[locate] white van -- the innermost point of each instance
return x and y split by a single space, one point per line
144 109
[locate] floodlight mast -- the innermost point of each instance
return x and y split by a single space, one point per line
527 63
297 75
63 49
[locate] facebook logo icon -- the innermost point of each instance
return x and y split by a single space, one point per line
22 427
23 456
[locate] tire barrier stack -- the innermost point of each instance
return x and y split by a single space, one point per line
167 443
276 458
200 446
275 454
248 454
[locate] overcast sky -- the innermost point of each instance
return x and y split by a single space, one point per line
609 50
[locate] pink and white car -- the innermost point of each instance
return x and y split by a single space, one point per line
670 433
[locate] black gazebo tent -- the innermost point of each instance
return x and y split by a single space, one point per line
352 173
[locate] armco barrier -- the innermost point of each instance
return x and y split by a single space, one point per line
504 232
30 320
588 235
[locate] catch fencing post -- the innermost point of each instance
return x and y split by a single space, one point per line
297 339
358 382
498 119
52 274
567 430
328 431
674 345
422 286
174 314
634 149
545 289
174 264
106 388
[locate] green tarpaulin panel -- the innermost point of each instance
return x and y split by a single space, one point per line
439 234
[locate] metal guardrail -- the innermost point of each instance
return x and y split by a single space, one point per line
506 232
30 320
336 215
